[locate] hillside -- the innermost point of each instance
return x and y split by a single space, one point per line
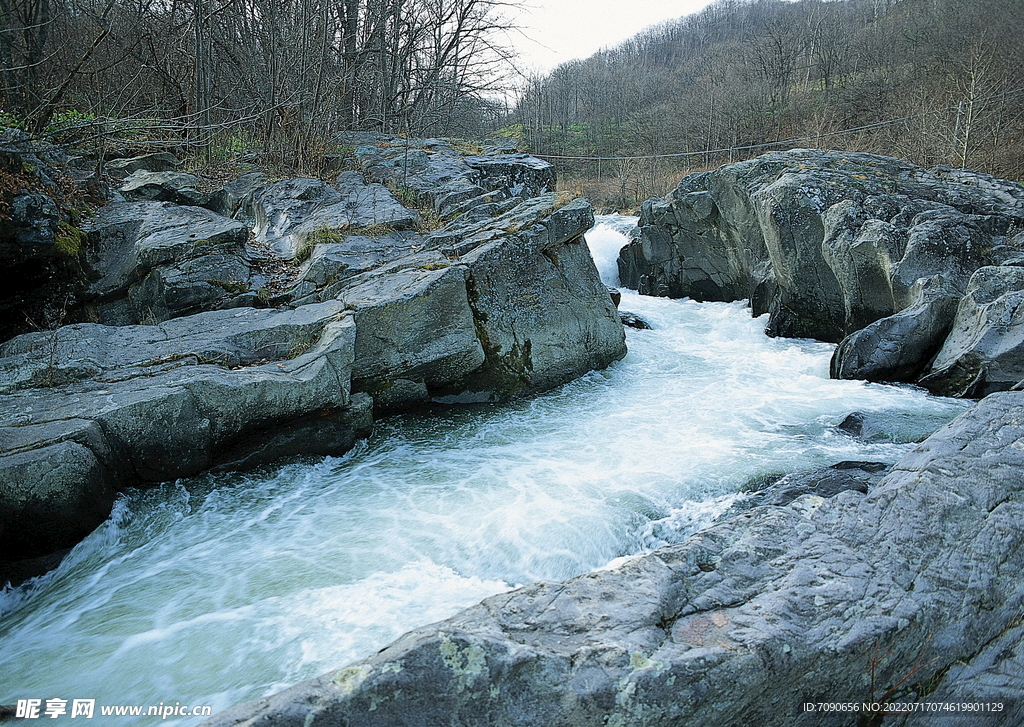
930 81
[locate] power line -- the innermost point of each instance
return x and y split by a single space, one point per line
765 145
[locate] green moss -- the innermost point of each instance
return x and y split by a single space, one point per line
321 236
373 230
230 286
68 240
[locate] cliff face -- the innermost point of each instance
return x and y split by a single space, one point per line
835 245
195 364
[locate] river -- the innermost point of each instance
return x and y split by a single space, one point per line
225 588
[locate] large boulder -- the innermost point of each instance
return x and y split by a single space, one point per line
414 331
899 347
894 597
89 409
984 352
158 260
176 187
480 310
542 313
825 242
289 214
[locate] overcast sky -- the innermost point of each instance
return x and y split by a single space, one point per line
560 30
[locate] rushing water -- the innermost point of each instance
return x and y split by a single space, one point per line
225 588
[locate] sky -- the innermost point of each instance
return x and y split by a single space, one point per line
560 30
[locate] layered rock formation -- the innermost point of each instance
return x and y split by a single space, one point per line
907 594
501 302
835 245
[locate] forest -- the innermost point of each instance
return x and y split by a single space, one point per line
284 76
931 81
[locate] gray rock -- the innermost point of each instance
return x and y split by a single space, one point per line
150 403
542 313
901 346
288 213
230 200
520 311
34 218
825 242
632 320
157 260
176 187
984 352
823 482
162 161
441 175
822 600
993 678
413 325
279 207
518 175
355 254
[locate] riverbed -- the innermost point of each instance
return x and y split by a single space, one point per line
224 588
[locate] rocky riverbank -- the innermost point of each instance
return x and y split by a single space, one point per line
899 590
198 359
905 595
915 273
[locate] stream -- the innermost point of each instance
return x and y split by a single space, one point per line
224 588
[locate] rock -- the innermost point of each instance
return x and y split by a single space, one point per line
519 175
823 482
901 346
843 600
632 320
230 199
481 310
288 213
157 260
334 262
35 219
52 496
413 325
439 173
541 311
90 408
162 161
984 352
825 242
40 244
176 187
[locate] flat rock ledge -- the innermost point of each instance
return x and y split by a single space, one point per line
910 593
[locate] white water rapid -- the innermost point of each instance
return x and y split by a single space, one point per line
226 588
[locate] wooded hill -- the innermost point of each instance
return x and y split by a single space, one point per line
931 81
